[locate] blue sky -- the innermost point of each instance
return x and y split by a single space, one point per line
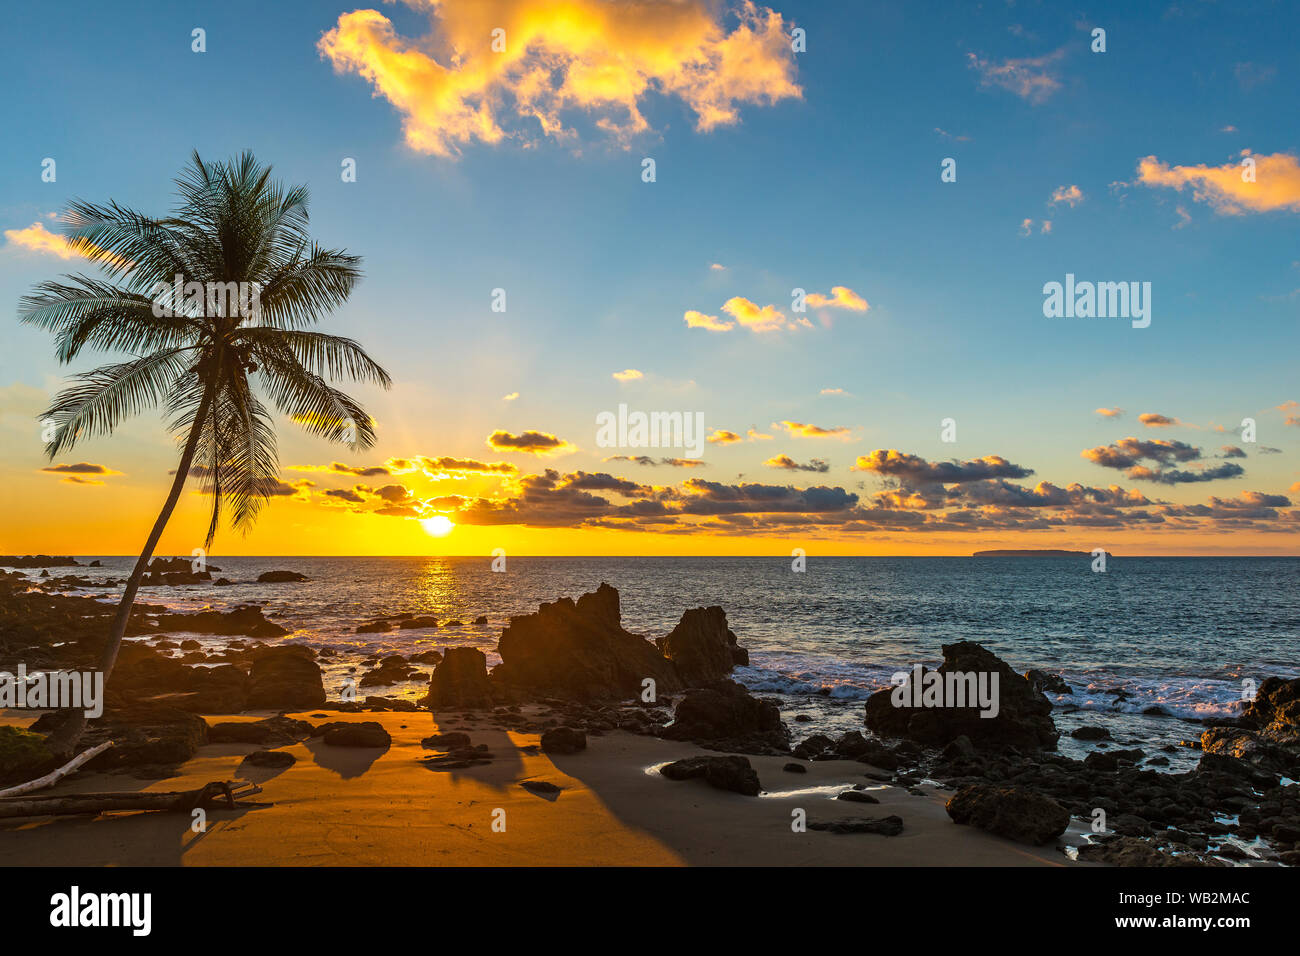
837 187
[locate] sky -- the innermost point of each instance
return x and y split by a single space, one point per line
920 171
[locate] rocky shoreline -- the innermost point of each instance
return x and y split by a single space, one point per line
570 670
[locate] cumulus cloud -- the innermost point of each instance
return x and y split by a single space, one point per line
1155 420
1132 454
1109 412
804 430
562 59
915 470
36 238
1276 185
789 464
698 320
841 297
1070 195
530 442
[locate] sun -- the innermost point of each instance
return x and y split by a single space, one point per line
438 526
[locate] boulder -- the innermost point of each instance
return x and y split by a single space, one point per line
143 734
460 680
1023 717
285 678
702 647
579 651
280 577
725 717
1275 711
1012 812
270 758
563 740
891 825
269 732
725 773
245 620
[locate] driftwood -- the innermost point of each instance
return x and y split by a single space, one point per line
231 794
55 776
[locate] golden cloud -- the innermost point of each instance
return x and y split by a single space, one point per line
698 320
39 239
491 68
1276 183
841 297
816 431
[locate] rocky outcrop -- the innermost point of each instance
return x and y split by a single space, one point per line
1023 719
38 561
1012 812
460 680
280 577
362 733
143 734
1275 711
723 716
393 669
563 740
285 678
725 773
1264 743
245 620
141 673
702 647
579 651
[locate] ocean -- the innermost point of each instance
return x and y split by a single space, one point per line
1179 634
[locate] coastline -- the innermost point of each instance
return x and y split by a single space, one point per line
368 806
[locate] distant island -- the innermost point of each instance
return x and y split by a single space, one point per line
1034 553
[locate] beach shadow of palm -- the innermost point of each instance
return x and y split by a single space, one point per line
501 771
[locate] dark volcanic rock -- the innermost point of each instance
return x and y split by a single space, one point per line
272 731
563 740
856 796
460 680
701 646
883 826
143 734
38 561
280 577
725 717
1043 681
1133 851
579 651
1090 733
1023 717
1275 711
448 741
286 678
246 620
271 758
724 773
1012 812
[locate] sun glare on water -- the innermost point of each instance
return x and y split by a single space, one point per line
438 525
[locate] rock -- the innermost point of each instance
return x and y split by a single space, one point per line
481 619
1023 717
460 681
1132 851
724 716
1275 711
38 561
701 646
563 740
959 748
393 669
143 734
1091 733
345 733
412 623
246 620
286 678
883 826
271 758
1012 812
23 756
856 796
1042 681
541 788
795 768
280 577
449 741
373 627
579 651
271 731
725 773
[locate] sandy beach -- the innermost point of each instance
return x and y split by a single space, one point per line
344 806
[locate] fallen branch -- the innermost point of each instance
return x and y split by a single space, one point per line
229 794
55 776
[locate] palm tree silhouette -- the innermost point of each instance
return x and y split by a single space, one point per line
223 289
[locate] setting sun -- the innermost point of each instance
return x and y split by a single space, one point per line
438 525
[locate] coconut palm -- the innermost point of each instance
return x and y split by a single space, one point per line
200 349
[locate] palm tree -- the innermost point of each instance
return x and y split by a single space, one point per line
194 349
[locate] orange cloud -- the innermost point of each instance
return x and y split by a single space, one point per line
1276 185
492 68
841 297
815 431
39 239
698 320
1110 412
530 442
748 313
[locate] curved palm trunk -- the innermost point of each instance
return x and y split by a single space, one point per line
64 740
